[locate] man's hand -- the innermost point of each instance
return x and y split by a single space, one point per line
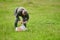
24 22
21 22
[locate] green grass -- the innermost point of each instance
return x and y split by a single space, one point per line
44 22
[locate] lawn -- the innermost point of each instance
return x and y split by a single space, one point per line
44 22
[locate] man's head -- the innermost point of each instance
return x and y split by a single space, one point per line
24 12
20 9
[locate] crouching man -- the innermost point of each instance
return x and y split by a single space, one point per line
21 12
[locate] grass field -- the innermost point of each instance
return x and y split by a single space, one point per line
44 22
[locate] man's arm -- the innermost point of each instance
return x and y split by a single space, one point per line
27 17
